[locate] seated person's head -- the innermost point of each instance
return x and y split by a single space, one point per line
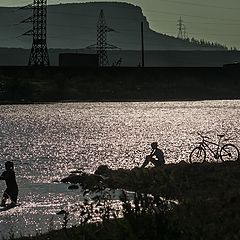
9 165
154 145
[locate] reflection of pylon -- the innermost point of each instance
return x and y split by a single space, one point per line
102 46
39 52
182 34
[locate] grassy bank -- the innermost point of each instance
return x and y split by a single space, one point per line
208 208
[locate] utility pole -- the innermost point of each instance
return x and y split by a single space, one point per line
102 45
142 39
39 52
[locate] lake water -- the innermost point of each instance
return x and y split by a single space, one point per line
47 141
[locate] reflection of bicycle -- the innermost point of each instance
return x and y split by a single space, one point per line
224 152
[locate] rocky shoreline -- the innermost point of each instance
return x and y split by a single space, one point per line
181 181
208 196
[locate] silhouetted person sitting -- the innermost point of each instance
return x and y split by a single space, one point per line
12 189
156 157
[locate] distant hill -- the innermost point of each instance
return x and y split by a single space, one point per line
73 26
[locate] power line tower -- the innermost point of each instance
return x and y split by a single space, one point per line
182 34
39 52
102 45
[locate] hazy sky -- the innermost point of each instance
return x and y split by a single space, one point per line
213 20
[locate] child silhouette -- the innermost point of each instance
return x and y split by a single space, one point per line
12 188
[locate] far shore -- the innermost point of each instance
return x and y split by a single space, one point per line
25 85
23 102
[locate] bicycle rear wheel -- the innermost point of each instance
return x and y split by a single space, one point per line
229 152
198 154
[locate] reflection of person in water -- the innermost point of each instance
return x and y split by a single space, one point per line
12 189
156 156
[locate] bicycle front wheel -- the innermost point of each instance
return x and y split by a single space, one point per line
198 154
229 152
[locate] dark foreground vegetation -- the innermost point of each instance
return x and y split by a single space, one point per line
206 206
54 84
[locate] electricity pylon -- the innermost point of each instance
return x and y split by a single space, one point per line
39 52
102 45
181 29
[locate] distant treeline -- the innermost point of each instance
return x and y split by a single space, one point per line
208 44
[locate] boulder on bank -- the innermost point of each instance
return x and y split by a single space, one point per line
103 170
84 179
74 178
73 187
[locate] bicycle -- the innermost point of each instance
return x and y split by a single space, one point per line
224 152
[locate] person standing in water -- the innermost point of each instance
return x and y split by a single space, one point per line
12 188
156 157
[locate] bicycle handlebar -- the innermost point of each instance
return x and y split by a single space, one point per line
202 135
219 135
228 139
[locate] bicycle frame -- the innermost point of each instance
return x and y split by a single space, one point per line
205 145
220 150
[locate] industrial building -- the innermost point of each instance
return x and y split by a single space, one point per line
78 60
